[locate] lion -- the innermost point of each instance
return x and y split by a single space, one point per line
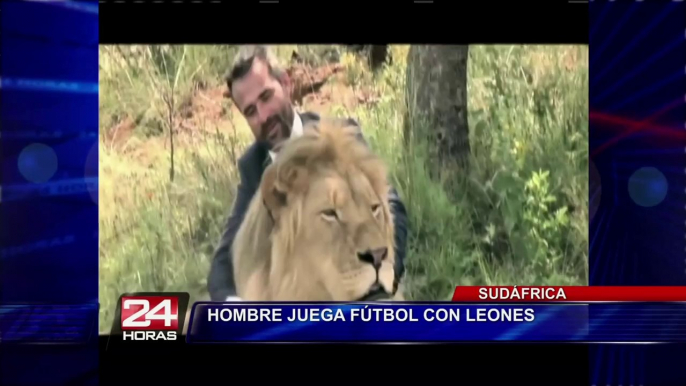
319 227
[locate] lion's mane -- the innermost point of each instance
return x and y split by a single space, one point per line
262 250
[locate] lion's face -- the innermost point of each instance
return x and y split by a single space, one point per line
347 235
333 219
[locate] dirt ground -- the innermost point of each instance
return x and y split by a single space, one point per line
315 89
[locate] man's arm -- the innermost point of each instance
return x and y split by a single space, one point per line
221 283
400 226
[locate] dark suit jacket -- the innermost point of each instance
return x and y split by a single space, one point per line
251 165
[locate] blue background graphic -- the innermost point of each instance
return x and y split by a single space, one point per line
48 198
637 146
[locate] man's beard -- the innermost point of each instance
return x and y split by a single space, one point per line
284 122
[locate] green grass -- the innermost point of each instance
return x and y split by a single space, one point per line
520 217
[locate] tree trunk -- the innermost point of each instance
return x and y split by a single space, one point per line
437 103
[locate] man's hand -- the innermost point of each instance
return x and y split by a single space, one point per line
233 299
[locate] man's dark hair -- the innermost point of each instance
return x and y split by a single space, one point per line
244 60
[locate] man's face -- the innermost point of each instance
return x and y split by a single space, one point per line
265 103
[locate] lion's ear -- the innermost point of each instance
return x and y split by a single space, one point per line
281 181
273 197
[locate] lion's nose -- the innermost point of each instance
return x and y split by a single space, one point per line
374 257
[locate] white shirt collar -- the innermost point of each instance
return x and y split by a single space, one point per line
296 131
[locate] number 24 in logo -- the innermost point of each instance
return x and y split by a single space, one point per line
151 313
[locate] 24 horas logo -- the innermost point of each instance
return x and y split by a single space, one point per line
149 318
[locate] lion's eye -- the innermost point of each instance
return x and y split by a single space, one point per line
330 214
376 208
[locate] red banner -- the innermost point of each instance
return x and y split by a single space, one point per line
568 293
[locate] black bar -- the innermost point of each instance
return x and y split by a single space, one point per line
483 364
553 21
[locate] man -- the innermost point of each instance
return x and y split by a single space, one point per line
261 90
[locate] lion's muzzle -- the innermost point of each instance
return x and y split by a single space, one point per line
373 256
376 292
